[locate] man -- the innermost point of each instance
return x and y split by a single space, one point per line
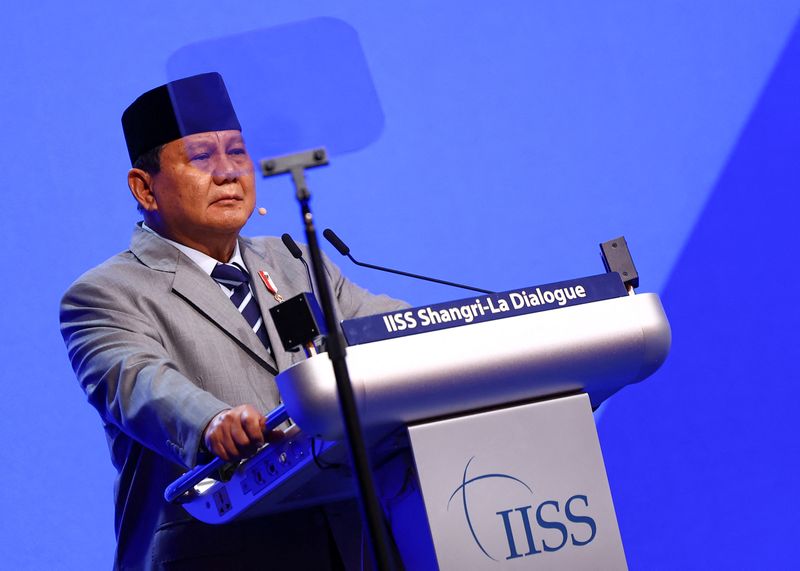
175 369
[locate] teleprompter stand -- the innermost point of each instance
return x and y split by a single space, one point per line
296 164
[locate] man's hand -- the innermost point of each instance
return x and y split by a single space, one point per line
236 433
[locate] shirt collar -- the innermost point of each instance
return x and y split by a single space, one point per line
204 261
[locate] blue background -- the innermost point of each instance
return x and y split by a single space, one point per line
517 136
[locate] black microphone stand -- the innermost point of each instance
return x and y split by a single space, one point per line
371 511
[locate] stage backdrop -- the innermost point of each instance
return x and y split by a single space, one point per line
515 136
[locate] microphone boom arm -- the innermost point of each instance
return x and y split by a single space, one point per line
410 275
342 248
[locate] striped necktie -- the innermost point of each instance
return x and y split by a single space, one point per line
236 280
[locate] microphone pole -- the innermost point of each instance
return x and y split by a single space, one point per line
344 250
371 509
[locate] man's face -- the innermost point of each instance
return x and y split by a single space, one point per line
205 188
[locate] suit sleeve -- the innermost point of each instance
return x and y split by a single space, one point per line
122 365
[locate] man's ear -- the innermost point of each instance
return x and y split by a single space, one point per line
140 183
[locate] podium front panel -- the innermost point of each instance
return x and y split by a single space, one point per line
523 487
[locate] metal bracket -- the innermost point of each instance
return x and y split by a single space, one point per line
296 163
617 258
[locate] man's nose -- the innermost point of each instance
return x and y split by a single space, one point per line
226 169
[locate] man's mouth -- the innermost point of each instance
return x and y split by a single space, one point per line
227 199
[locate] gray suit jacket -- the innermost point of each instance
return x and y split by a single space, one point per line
160 350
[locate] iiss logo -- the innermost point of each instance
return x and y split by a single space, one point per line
550 526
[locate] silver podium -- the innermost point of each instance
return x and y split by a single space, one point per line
505 469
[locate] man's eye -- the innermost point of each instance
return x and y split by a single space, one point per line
237 151
201 157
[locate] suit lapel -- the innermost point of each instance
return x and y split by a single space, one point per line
201 292
255 259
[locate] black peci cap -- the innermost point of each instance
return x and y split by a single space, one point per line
195 104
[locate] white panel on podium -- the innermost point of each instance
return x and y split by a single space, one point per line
522 487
